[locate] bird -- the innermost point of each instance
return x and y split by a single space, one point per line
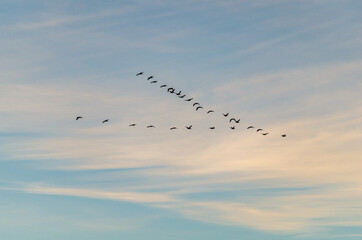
132 125
265 134
182 96
178 94
163 86
188 100
232 128
233 119
104 121
196 103
79 117
153 81
171 90
211 127
173 128
150 126
150 77
210 111
199 107
225 114
140 73
250 127
260 129
284 135
188 127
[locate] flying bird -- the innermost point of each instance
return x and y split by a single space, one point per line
150 77
232 128
163 86
150 126
211 127
188 127
265 134
171 90
284 135
173 128
182 96
132 125
233 119
199 107
140 73
225 114
188 100
153 81
178 94
250 127
196 103
260 129
79 117
210 111
104 121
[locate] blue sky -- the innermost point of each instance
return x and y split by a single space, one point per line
289 67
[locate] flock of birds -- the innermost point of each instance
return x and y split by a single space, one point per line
197 106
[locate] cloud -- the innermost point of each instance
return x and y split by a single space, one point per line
89 193
321 154
318 107
292 213
322 89
55 22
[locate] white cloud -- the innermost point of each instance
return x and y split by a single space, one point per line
320 150
55 22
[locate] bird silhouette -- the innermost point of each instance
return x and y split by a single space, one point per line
182 96
265 134
104 121
150 77
188 100
196 103
284 135
210 111
150 126
188 127
132 125
79 117
173 128
163 86
250 127
225 114
140 73
178 94
171 90
260 129
233 119
153 81
212 128
199 107
233 127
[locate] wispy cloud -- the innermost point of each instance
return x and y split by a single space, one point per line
320 151
55 22
125 196
70 64
296 213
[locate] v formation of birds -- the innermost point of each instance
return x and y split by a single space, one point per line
197 108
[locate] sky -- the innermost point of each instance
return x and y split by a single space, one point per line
288 66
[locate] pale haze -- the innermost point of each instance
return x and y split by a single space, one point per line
290 67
